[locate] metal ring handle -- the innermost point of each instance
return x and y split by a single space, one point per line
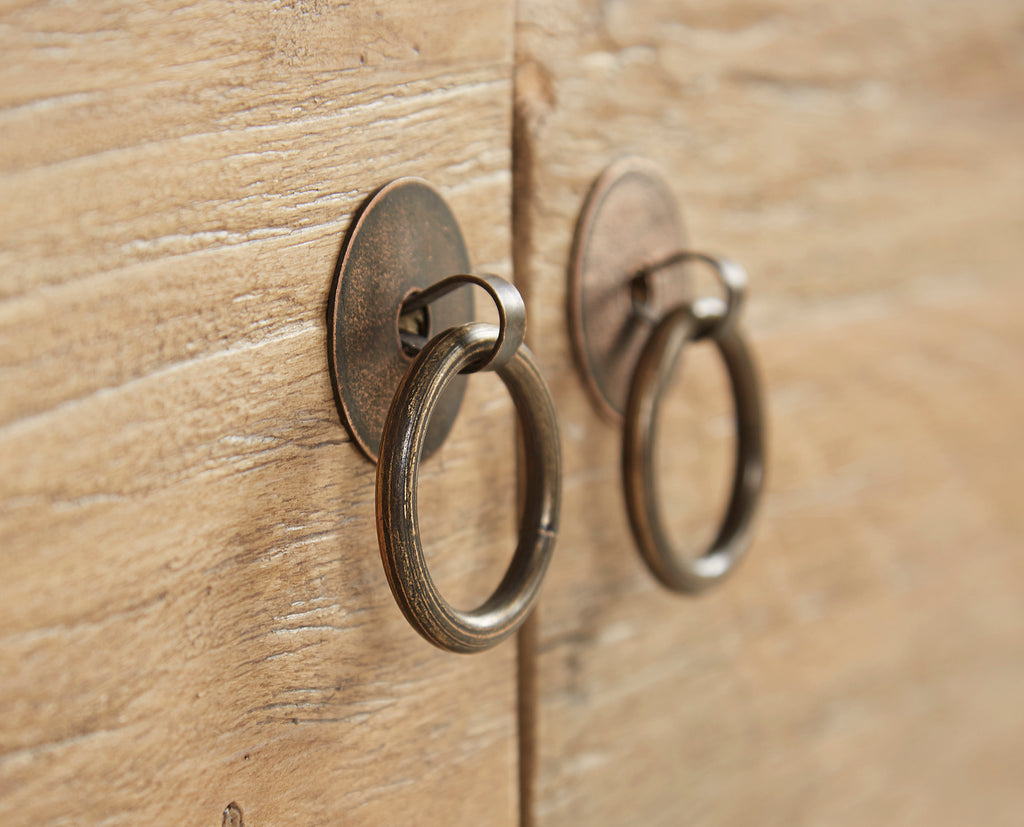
650 380
401 451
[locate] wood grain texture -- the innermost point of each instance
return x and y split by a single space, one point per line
863 666
193 607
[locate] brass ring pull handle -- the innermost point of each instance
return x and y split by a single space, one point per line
704 318
631 312
392 289
397 479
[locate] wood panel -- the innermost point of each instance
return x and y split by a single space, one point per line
863 666
193 610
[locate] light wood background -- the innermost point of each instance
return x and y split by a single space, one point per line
193 607
864 161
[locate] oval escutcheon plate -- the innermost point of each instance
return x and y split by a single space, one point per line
629 221
405 238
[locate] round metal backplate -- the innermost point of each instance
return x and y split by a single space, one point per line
630 221
404 239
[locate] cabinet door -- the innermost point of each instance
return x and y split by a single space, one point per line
863 160
193 610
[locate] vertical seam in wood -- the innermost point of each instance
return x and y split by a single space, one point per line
526 640
526 700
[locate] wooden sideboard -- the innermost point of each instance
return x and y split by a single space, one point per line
193 612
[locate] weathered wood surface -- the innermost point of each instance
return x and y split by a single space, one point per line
864 665
193 610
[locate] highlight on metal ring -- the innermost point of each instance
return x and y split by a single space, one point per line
651 377
401 452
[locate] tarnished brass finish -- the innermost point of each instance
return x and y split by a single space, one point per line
631 314
404 240
629 222
653 374
400 280
401 452
511 315
732 276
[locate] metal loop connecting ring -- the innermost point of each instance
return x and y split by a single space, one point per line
511 315
654 370
401 449
709 310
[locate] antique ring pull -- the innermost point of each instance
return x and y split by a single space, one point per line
391 293
630 232
704 318
398 473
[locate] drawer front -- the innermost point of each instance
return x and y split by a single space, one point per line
194 610
863 664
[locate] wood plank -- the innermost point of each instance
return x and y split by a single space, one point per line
863 666
193 607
